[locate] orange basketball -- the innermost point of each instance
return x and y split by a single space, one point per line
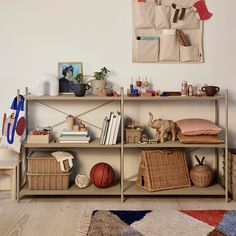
102 175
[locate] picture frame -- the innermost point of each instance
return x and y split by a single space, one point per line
67 72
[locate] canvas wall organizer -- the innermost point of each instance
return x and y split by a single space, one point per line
166 31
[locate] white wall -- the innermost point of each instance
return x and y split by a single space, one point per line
35 35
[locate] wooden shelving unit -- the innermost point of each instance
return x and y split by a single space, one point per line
128 188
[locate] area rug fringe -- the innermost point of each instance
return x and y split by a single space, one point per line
84 223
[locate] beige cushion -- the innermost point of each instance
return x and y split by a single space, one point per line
199 139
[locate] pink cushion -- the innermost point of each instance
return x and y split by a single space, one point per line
197 127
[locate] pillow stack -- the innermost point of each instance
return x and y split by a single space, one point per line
198 131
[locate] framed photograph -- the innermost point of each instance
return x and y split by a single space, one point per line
67 72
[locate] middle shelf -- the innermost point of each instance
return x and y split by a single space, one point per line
95 143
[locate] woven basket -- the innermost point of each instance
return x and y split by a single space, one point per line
163 169
201 175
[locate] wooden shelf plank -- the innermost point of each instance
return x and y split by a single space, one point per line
171 144
92 190
174 98
132 189
70 97
93 144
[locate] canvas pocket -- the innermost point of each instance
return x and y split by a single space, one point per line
169 47
190 53
189 21
147 49
144 14
162 17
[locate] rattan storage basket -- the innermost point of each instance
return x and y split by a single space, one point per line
44 173
49 181
163 169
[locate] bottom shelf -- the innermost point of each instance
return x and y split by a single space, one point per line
131 188
74 190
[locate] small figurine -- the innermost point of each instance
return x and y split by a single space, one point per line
82 181
162 127
184 88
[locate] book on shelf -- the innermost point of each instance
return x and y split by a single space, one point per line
74 138
117 127
74 141
104 126
109 128
74 133
113 127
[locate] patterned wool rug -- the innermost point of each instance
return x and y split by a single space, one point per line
160 223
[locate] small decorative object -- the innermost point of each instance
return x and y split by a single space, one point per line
201 174
109 92
162 127
146 83
144 139
75 128
102 175
210 90
153 141
202 10
139 83
70 122
39 136
133 133
82 127
47 84
190 90
82 181
68 73
99 82
184 88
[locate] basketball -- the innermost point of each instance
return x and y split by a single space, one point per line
102 175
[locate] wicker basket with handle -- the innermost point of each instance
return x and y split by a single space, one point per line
201 174
163 169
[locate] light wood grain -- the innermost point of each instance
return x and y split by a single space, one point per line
60 216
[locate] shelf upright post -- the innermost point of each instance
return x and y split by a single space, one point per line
216 107
226 146
122 145
18 163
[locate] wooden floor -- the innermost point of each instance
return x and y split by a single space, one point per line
60 216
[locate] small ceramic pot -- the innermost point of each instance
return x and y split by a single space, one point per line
210 90
80 89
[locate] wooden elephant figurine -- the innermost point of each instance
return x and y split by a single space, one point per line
162 127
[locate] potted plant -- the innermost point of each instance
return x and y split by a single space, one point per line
99 82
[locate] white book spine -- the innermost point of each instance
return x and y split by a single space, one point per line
117 128
103 130
112 129
109 130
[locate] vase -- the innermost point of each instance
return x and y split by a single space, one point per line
97 85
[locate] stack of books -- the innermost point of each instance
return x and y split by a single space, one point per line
110 129
74 137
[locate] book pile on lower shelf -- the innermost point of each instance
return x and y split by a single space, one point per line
110 129
74 137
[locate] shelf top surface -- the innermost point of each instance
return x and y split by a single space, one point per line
70 97
174 98
95 143
170 144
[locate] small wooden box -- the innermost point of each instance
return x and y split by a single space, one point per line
39 138
133 135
